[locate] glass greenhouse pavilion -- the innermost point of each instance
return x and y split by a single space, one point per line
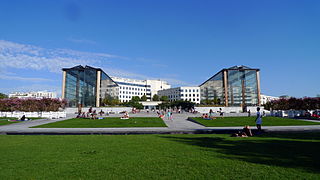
235 86
87 86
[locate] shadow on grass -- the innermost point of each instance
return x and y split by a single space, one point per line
283 152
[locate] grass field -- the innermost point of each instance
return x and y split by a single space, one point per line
4 120
106 122
242 121
286 156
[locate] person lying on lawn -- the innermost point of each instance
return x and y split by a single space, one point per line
125 116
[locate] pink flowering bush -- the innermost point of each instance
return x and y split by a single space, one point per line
31 105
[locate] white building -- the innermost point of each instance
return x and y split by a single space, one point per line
264 98
37 95
191 94
133 87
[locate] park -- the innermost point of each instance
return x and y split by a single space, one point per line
159 90
146 146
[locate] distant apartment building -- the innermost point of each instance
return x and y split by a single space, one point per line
88 86
133 87
264 98
37 95
191 94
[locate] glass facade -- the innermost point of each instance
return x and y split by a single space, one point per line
213 89
241 84
82 86
108 87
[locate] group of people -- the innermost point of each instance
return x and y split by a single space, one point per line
207 116
92 113
210 115
125 115
246 131
166 112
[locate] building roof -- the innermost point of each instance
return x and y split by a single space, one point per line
80 67
242 67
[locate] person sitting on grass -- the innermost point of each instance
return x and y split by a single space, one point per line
23 118
125 115
207 117
101 113
94 115
246 132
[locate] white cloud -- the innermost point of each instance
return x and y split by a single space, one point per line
18 78
124 73
24 56
177 82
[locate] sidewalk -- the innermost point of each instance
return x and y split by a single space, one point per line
179 125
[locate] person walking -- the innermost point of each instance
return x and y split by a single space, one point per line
210 113
259 119
221 112
168 115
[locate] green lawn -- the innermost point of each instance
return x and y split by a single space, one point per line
4 120
285 156
242 121
107 122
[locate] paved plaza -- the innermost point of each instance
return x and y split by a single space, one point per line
179 125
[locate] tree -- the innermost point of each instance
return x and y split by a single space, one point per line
144 98
111 101
134 102
164 98
294 104
3 96
155 98
135 98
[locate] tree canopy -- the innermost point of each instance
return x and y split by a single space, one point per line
294 104
2 96
155 98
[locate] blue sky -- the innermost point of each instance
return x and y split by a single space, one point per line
183 42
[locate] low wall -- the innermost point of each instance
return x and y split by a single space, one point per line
51 114
116 110
253 109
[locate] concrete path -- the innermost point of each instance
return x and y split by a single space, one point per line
179 125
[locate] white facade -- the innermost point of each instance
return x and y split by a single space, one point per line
37 95
132 87
264 98
191 94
